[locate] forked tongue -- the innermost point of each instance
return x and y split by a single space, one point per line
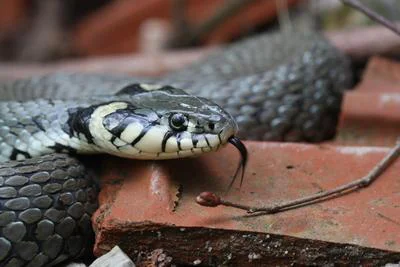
243 160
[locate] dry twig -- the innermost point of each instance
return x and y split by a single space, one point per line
372 15
196 33
212 200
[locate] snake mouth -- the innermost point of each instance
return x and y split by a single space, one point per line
235 141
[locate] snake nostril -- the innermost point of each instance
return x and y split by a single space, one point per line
211 126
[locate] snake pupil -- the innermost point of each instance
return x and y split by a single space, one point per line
178 122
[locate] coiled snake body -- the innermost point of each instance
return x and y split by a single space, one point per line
276 87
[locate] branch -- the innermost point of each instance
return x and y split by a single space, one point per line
372 15
227 10
212 200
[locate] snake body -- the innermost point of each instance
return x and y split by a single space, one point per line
276 87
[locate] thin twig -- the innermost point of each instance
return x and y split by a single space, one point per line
372 15
212 200
181 25
197 33
283 16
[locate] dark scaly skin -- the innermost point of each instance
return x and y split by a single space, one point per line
278 87
41 234
46 204
272 96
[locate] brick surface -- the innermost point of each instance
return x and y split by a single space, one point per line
116 27
135 65
381 76
371 112
12 14
369 118
136 194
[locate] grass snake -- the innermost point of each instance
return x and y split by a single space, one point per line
281 87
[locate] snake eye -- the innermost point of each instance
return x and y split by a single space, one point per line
178 122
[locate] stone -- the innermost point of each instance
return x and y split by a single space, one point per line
115 257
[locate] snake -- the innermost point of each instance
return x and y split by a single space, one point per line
274 87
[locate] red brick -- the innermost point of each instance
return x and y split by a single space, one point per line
136 65
12 14
146 193
381 75
369 118
115 28
371 113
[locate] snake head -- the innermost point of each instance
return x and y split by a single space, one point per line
162 122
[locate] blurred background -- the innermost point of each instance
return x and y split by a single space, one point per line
34 31
42 30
